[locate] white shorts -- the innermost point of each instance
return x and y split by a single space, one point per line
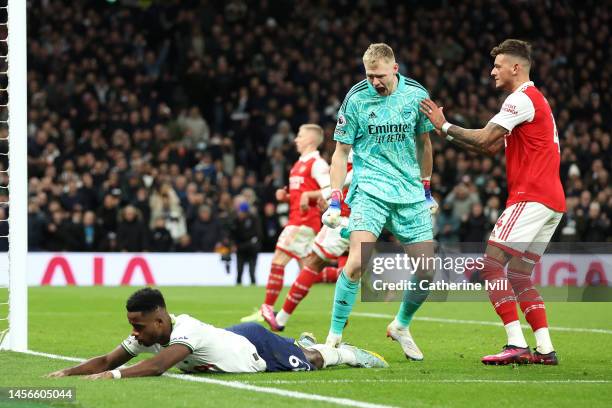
328 244
296 240
524 230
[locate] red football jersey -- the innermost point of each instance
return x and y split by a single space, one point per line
309 173
532 149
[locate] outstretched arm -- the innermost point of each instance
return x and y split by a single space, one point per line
488 140
154 366
114 359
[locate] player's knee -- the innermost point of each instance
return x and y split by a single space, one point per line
314 262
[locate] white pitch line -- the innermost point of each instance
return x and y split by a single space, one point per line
410 380
243 386
479 322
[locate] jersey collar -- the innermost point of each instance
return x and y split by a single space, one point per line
524 86
306 157
400 86
172 323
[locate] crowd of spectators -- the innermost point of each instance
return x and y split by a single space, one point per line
153 127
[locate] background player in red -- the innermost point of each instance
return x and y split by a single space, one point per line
310 173
536 201
328 246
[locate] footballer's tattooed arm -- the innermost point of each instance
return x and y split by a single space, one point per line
488 140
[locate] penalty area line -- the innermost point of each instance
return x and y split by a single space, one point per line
479 322
241 385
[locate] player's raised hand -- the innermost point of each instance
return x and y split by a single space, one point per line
331 217
434 113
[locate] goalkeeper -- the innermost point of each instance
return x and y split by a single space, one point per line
380 120
194 347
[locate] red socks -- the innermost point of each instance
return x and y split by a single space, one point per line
300 288
503 299
529 298
275 283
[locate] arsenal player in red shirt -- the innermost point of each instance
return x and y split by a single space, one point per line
536 202
309 174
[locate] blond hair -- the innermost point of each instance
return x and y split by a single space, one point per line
316 129
377 52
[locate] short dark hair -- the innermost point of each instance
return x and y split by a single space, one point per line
145 300
518 48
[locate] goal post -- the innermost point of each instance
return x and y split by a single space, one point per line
16 338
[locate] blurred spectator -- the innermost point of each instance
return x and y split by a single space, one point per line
246 236
271 228
206 231
132 233
161 240
91 235
593 226
474 226
447 225
37 225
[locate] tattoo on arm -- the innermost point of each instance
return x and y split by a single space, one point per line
478 140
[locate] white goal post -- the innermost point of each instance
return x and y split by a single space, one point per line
16 338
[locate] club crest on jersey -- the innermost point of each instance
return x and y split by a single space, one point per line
406 112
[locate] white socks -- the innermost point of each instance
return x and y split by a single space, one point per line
515 334
335 356
282 317
543 342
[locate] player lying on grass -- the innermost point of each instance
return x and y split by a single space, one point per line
194 346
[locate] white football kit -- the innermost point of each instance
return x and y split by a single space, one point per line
212 349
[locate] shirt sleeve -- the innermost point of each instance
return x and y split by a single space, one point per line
320 172
517 108
347 125
134 348
185 335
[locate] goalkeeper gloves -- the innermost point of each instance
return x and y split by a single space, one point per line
431 203
331 216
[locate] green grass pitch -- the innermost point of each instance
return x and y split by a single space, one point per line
84 322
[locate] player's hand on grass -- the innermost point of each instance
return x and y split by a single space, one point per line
57 374
105 375
434 113
331 217
281 194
